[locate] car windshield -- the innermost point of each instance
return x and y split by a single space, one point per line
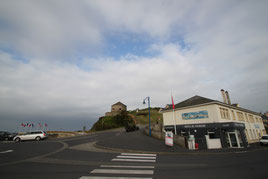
264 137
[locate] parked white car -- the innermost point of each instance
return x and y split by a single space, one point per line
264 140
34 135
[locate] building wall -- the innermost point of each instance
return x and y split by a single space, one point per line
212 115
253 123
254 127
118 108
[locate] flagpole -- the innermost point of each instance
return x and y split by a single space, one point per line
173 107
174 122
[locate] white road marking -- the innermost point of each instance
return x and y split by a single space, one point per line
7 151
92 177
132 160
124 156
110 171
125 166
138 154
241 152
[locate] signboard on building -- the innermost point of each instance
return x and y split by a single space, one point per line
169 138
195 115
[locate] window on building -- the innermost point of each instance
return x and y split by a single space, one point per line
233 114
240 116
211 135
183 133
263 132
251 119
246 131
254 134
224 113
246 115
251 135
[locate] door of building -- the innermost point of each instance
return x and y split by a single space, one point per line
233 139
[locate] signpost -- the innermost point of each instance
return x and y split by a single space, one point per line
169 138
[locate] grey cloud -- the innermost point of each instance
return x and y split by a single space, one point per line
227 49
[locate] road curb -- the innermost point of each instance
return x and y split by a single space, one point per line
196 152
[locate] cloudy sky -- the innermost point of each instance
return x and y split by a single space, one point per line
65 62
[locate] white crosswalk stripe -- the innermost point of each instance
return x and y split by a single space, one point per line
153 155
126 156
113 171
93 177
124 166
127 170
131 160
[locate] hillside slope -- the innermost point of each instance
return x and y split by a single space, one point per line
127 117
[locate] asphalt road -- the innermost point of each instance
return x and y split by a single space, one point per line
77 157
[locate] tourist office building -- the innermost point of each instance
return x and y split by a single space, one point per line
214 124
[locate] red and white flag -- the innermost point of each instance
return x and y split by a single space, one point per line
173 106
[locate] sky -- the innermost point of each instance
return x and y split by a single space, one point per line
66 62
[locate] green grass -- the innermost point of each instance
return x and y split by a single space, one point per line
120 120
142 116
110 122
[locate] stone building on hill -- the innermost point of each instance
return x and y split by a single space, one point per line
116 109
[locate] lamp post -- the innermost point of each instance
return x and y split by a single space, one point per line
148 98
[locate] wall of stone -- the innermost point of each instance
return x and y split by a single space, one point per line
180 140
117 108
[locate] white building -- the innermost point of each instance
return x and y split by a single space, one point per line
214 124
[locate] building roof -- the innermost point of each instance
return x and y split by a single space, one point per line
195 100
119 103
199 100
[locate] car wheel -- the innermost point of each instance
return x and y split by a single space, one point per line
38 138
17 139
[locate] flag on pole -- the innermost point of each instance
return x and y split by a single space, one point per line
173 106
40 125
46 125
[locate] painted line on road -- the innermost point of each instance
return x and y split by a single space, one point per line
131 160
110 171
37 158
138 157
72 138
125 166
7 151
153 155
241 152
92 177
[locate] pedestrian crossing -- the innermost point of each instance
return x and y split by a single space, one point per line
137 168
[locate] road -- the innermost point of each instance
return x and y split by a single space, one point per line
77 158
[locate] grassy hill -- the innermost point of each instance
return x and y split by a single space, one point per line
142 116
126 117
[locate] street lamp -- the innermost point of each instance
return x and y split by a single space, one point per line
149 113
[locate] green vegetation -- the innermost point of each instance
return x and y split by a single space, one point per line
125 117
110 122
142 116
